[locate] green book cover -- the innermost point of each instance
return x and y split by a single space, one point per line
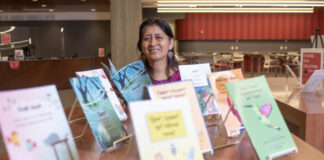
262 118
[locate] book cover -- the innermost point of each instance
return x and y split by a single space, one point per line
311 60
217 80
184 89
198 74
131 81
164 130
262 118
99 112
108 88
34 125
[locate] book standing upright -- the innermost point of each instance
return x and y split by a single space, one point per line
184 89
262 118
34 125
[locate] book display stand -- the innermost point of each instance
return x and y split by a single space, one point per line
76 120
116 143
220 140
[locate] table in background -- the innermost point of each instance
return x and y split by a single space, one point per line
303 111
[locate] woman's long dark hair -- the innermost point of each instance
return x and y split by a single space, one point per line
172 63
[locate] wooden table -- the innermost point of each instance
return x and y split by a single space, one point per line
303 112
88 149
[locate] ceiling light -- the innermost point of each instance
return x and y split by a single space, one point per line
274 6
34 0
93 10
83 0
44 5
179 3
236 10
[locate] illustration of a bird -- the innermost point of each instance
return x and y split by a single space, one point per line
262 114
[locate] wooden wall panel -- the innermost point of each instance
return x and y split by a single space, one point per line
249 26
44 72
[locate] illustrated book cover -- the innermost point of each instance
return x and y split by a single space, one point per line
99 112
108 88
198 74
164 130
131 80
262 118
217 80
184 89
34 125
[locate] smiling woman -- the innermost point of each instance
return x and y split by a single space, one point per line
156 42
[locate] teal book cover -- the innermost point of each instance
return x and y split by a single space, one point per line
99 112
131 81
262 118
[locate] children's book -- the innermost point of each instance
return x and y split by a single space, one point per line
131 80
164 130
217 80
108 88
34 125
184 89
314 81
262 118
198 74
99 112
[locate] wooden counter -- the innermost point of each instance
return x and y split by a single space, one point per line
88 149
303 112
43 72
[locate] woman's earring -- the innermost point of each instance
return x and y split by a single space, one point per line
170 54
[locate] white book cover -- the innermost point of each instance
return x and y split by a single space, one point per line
164 130
314 81
34 125
198 74
108 88
185 89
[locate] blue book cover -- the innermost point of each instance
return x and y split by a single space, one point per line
131 81
98 110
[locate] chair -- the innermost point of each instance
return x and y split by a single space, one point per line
222 61
238 58
271 63
293 62
205 58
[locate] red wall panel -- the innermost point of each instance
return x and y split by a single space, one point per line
249 26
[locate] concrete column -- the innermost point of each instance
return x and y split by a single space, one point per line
126 17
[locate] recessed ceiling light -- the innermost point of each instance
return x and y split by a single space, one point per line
44 5
83 0
34 0
51 10
93 10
